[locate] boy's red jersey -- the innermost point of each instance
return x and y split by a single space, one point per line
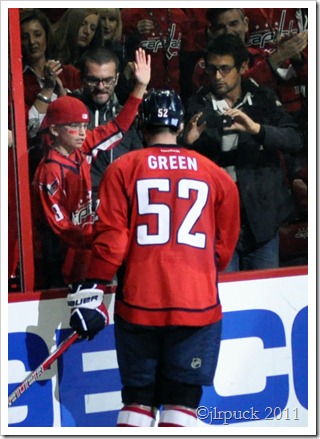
62 185
62 189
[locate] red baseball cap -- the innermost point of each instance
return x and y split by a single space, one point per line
65 110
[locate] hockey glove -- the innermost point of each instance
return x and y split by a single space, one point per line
88 312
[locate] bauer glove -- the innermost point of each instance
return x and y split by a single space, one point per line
88 312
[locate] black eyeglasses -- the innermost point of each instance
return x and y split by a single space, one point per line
94 82
223 70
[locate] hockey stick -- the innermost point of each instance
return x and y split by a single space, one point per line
35 375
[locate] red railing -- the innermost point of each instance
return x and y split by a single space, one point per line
21 174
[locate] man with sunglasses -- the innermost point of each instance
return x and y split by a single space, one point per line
243 127
99 69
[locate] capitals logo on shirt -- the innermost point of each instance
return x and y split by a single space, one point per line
51 188
83 215
172 44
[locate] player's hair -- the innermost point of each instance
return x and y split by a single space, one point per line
228 44
153 130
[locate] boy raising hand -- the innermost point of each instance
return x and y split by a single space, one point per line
62 203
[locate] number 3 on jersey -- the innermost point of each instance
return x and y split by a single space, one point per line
184 235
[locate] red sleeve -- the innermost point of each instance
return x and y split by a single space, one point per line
70 77
260 69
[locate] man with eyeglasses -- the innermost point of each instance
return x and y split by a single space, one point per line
99 69
284 68
62 189
244 128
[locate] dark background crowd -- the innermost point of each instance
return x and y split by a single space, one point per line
89 54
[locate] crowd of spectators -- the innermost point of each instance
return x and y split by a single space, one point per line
89 54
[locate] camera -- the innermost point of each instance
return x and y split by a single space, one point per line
227 121
216 121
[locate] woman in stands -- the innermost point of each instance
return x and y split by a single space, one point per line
77 30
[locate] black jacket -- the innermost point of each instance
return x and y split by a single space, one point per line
99 116
265 197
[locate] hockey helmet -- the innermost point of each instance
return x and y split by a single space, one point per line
162 108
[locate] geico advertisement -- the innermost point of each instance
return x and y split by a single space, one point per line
261 378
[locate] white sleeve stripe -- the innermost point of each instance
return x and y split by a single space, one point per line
83 322
105 317
103 146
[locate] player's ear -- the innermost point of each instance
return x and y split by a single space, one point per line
180 129
53 130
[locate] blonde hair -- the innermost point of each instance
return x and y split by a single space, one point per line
116 13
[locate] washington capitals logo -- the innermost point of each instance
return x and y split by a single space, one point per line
51 189
172 45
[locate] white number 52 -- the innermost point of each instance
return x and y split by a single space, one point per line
162 112
184 235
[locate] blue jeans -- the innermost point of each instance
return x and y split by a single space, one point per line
266 256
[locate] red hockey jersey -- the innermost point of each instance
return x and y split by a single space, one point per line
172 216
62 185
263 22
170 36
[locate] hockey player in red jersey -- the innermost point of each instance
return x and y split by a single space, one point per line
62 183
167 222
